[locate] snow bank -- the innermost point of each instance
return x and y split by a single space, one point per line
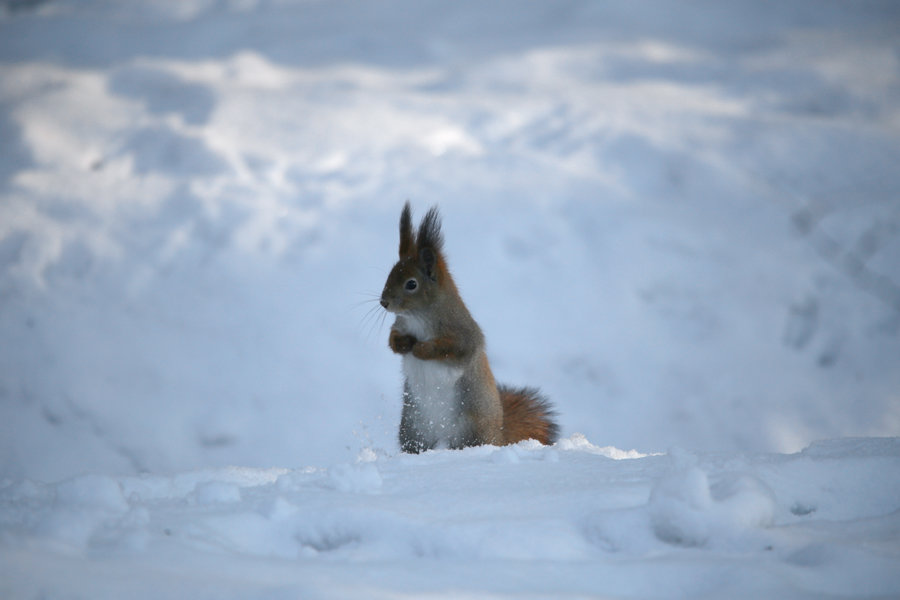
557 519
696 215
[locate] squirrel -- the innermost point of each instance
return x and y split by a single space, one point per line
450 398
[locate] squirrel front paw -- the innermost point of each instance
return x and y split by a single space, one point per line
401 343
424 350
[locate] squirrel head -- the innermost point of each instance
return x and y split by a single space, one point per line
420 275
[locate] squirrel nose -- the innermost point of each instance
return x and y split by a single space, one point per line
384 303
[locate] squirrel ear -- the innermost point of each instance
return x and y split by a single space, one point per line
430 231
407 242
429 260
430 242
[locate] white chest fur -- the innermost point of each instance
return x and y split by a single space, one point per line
432 385
413 326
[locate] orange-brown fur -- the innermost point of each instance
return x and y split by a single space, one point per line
526 416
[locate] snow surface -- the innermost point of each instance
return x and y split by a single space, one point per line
573 520
681 220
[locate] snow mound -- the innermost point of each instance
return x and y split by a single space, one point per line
686 509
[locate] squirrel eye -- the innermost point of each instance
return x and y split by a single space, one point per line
411 284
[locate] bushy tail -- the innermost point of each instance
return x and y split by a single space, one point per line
527 415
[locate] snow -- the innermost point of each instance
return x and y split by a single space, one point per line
681 221
573 520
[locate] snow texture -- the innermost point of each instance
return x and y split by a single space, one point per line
681 221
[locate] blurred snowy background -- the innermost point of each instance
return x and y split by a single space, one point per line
680 219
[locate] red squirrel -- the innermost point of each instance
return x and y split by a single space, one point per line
450 398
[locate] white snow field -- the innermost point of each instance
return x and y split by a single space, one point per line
680 219
570 521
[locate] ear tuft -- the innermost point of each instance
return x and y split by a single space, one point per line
430 235
407 242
